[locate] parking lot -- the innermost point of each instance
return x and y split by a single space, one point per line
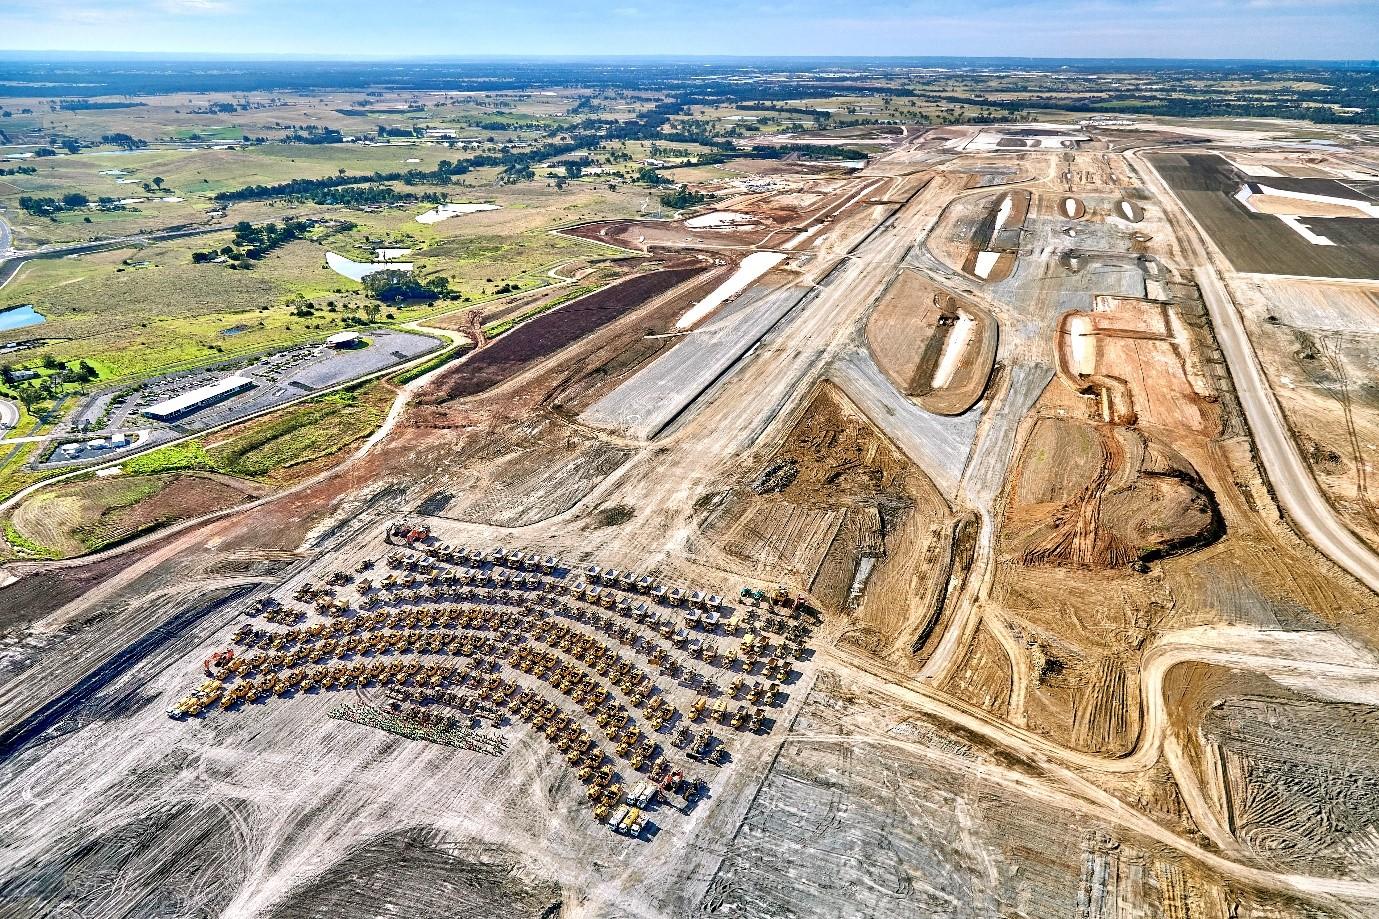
279 378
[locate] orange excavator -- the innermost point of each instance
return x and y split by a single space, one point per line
217 660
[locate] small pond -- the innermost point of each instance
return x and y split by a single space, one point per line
17 317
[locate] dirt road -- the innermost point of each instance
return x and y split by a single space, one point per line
1292 481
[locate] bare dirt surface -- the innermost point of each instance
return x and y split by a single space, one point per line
1057 654
932 345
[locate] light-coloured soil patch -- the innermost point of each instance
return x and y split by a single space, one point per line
720 220
358 271
1292 207
446 211
990 266
752 267
934 346
1265 199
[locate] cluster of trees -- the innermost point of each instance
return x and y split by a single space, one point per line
303 308
40 206
821 152
366 195
818 114
121 139
66 143
649 176
86 105
48 387
311 134
681 198
393 286
252 243
19 171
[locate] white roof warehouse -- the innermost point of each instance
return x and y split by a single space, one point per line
198 399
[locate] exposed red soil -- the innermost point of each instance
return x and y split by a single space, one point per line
183 497
514 352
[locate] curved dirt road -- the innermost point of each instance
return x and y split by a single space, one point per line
1292 481
1318 663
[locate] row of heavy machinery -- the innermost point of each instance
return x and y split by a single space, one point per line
637 684
593 575
216 692
495 619
588 693
581 750
754 650
530 611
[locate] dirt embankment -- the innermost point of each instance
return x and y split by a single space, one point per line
86 516
933 345
982 236
1088 496
838 511
1135 358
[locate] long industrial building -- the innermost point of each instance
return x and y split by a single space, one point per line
197 399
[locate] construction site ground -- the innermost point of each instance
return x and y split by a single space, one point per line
1053 652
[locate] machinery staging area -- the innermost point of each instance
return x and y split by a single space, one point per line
991 549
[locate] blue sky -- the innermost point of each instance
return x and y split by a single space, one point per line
1320 29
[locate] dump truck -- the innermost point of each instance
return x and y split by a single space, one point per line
643 796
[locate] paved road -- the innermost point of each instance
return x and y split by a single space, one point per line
10 262
9 414
1292 481
6 239
66 435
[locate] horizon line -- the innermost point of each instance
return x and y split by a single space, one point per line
281 57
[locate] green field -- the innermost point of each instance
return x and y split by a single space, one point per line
133 322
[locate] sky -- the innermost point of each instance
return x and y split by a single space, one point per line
1291 29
